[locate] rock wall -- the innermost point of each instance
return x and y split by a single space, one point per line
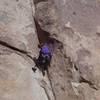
75 24
71 27
18 44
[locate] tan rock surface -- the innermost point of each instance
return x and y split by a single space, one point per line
75 27
76 24
17 34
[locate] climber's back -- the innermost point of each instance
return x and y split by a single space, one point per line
44 58
45 53
45 49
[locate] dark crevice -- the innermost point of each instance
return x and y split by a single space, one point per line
17 50
76 68
12 47
42 35
37 1
17 0
45 37
85 81
92 85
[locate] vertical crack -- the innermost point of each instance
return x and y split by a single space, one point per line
51 85
46 92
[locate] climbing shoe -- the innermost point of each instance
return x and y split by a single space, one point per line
34 69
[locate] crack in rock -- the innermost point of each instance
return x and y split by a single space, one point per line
5 44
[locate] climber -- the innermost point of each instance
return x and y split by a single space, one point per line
44 58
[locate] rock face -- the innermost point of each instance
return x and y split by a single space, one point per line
17 39
76 24
71 27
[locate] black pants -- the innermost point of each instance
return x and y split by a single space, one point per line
43 63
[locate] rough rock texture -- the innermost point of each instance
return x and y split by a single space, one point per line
17 39
76 24
73 29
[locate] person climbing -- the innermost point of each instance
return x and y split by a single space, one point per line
44 58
